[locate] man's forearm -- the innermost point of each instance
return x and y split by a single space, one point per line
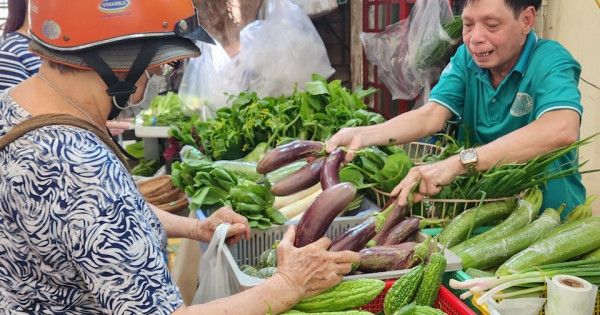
410 126
553 130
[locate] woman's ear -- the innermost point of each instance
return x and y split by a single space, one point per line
527 19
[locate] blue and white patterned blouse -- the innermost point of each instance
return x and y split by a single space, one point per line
76 236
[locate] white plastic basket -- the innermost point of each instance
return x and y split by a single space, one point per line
242 281
247 252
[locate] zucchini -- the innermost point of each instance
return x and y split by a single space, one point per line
403 290
458 229
432 280
595 254
257 153
582 211
565 242
345 295
490 253
284 171
246 170
527 209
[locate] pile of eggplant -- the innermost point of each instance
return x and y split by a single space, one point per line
323 168
381 240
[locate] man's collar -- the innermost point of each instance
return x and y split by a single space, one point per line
521 64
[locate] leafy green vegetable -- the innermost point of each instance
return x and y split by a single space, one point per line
136 149
209 186
317 113
163 111
146 167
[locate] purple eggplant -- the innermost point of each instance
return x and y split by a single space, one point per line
402 231
355 238
320 213
330 172
382 258
288 153
395 216
305 177
419 254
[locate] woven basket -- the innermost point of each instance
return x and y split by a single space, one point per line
439 208
417 150
161 192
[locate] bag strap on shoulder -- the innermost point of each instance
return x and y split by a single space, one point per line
39 121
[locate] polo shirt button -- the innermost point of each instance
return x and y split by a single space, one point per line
494 100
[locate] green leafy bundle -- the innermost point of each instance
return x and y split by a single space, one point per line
315 114
164 110
380 167
210 187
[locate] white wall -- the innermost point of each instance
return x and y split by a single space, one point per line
576 25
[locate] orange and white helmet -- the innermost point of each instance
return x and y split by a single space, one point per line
115 36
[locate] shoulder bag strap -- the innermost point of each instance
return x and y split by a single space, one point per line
38 121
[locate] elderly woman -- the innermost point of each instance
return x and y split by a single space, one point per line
76 235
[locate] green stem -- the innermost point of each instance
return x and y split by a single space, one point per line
520 292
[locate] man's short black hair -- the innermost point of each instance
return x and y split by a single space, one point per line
517 6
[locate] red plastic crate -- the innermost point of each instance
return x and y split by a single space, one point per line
446 302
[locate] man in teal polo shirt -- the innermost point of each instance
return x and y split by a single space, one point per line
516 94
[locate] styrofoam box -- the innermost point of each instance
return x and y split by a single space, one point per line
261 240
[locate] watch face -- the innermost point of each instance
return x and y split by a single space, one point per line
468 156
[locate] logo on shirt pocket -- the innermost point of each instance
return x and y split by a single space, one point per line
522 105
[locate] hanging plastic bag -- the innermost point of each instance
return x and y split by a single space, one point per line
429 44
277 53
200 90
411 54
214 278
387 50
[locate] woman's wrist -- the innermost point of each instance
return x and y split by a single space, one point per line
288 293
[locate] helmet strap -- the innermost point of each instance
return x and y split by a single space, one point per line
122 90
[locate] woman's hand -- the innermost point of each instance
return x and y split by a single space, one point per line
311 269
118 127
239 226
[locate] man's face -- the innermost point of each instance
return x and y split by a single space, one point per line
492 34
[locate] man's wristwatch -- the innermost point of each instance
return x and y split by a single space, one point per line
468 157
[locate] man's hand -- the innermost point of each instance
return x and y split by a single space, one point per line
348 138
430 179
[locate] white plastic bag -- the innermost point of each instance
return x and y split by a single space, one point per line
213 275
399 51
277 53
200 90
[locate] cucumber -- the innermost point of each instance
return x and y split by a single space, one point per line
458 229
491 253
257 153
527 209
284 171
246 170
568 241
